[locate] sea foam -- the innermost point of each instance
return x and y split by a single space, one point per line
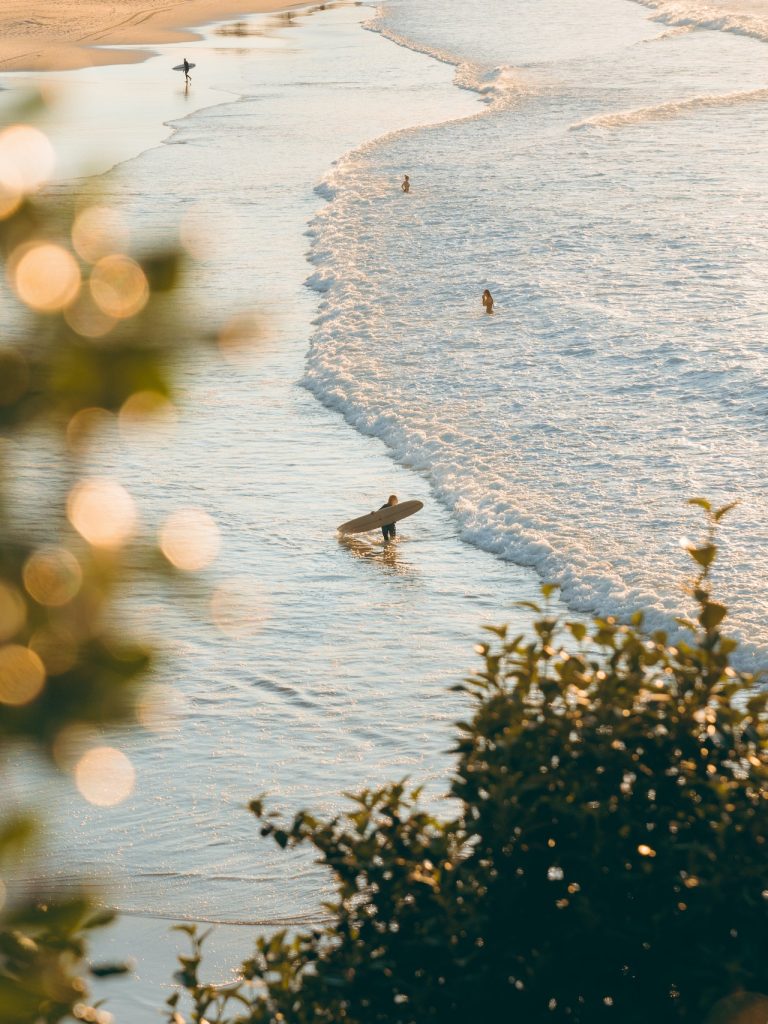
706 16
673 108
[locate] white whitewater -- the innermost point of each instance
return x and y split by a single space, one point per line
744 19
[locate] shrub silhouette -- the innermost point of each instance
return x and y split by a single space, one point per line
607 863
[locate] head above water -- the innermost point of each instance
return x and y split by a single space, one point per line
392 499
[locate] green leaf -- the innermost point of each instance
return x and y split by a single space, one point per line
724 510
107 970
712 615
705 555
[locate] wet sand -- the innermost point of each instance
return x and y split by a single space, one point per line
51 35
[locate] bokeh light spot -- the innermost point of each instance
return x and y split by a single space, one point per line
119 286
45 276
99 231
147 409
105 776
52 576
239 339
157 709
190 539
87 319
87 425
102 511
22 675
56 648
27 159
13 611
71 743
239 608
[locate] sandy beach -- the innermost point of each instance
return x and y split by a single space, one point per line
54 35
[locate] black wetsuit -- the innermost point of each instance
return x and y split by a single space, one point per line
389 531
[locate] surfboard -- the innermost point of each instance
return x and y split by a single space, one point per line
180 67
385 516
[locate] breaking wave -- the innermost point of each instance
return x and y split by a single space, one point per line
698 15
670 109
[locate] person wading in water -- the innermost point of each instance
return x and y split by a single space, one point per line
389 531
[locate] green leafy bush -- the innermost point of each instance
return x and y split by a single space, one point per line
608 861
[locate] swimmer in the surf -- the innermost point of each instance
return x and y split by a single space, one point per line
406 185
487 301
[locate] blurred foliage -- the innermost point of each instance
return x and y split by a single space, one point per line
85 335
607 863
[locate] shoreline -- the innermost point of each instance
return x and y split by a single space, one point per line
64 35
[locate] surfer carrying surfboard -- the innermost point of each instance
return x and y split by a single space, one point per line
185 65
389 530
389 514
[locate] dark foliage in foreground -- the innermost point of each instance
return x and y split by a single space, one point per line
608 862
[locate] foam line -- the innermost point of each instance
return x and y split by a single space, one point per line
698 15
670 109
497 86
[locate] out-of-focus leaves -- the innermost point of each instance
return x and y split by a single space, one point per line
95 332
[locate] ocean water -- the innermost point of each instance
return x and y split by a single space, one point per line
602 172
612 197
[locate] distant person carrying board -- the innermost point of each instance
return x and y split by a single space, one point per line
185 66
389 531
406 186
487 301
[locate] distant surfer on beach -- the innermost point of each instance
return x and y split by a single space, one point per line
187 76
389 530
487 301
406 186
